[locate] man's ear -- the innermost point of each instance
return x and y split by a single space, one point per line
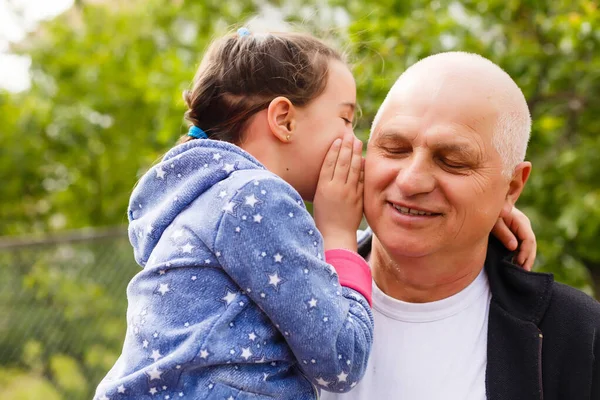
281 116
515 187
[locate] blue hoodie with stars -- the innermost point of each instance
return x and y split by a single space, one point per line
236 298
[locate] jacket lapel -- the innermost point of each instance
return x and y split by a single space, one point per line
514 369
519 301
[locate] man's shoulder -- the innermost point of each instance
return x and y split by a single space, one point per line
574 300
573 307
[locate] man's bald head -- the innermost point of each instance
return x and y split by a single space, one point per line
441 76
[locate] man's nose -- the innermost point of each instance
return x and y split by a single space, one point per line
416 176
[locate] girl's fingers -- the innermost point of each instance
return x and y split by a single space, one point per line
505 235
342 166
356 164
328 167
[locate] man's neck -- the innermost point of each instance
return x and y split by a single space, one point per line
425 279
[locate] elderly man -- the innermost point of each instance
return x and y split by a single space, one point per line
454 319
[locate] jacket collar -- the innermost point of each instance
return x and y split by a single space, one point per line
525 295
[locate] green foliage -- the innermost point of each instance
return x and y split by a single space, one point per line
105 103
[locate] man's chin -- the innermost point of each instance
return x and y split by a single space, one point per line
402 246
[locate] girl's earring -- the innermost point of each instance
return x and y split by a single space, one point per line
288 137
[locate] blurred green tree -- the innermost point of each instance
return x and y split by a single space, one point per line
105 103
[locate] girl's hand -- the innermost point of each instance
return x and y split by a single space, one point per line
515 232
338 202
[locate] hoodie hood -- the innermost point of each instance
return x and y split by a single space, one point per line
185 173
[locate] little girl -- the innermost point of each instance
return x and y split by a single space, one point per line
242 294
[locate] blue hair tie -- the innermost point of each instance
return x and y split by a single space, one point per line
243 32
197 133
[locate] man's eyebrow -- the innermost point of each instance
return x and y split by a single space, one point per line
454 147
391 135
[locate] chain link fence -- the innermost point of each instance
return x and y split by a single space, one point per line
62 312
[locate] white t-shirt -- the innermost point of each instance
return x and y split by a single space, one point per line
427 351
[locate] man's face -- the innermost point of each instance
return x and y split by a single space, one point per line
433 180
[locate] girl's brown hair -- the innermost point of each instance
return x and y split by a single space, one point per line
240 75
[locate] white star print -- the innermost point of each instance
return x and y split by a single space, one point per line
230 207
310 232
194 277
278 257
153 391
180 394
229 297
251 200
291 215
217 156
177 234
258 218
187 248
325 319
229 168
149 229
353 384
342 377
312 302
322 382
218 254
230 398
121 389
155 355
252 336
145 344
155 334
154 374
104 397
164 288
238 229
263 254
246 353
222 193
204 354
161 272
160 173
274 280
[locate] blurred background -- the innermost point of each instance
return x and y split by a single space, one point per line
90 97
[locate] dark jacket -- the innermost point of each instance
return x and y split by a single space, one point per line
543 336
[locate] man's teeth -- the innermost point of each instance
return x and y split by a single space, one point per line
410 211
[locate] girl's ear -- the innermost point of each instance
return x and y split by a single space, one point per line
281 116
